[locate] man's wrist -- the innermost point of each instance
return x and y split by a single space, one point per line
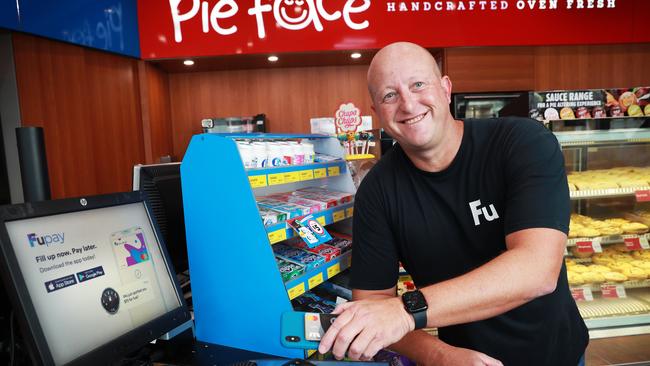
416 306
408 318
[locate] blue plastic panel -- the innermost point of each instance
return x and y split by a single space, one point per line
238 293
109 25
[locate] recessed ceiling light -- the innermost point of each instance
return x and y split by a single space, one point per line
273 58
355 55
188 62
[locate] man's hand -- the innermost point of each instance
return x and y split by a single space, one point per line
364 327
451 356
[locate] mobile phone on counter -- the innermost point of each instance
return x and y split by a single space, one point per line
304 330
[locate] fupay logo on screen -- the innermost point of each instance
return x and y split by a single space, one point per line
47 239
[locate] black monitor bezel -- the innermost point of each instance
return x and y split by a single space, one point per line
153 173
22 303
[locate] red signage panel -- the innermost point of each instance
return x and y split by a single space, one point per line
178 28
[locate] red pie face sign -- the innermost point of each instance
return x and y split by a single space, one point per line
347 118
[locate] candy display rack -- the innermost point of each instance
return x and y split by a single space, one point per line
238 293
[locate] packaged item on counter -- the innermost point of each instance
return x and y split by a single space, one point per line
285 251
322 158
271 217
289 197
307 259
327 251
325 195
310 302
310 231
343 245
341 241
293 210
289 270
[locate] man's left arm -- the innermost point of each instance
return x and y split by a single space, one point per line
511 279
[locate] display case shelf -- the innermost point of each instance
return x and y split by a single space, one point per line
595 287
281 231
315 277
595 137
607 192
263 177
611 239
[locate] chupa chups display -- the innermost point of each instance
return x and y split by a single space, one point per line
289 270
593 103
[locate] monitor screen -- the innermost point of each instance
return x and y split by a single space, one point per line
162 183
91 276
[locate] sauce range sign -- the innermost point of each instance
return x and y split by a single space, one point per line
181 28
594 103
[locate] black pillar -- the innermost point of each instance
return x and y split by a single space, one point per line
33 164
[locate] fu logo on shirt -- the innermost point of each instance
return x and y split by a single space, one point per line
478 211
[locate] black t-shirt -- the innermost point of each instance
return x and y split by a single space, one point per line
508 175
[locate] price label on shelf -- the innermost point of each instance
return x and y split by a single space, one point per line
296 291
582 293
321 220
338 215
315 280
320 173
613 291
349 211
636 243
566 251
257 181
333 270
277 236
276 178
291 177
306 174
333 171
589 246
642 196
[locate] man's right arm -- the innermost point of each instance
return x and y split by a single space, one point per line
422 347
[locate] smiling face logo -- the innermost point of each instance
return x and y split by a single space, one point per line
296 14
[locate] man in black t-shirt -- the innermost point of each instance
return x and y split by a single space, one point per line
477 211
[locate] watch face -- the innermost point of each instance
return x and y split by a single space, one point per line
414 301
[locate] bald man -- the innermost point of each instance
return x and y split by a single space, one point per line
477 211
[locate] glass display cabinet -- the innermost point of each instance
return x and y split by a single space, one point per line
608 257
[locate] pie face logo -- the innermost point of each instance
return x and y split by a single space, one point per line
288 14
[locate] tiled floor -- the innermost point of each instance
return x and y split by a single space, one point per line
617 350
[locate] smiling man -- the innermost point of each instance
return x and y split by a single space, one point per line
477 211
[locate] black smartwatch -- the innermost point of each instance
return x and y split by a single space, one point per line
416 305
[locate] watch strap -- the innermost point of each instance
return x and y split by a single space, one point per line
420 318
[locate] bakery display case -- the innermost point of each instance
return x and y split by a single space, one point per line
608 257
